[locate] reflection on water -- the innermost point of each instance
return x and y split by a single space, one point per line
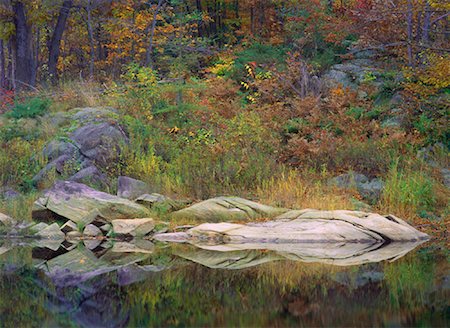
141 284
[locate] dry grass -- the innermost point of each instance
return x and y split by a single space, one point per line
299 190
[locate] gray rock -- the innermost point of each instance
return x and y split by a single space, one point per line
93 114
102 143
51 232
74 235
92 231
69 226
446 177
90 175
369 189
136 227
312 226
131 188
57 148
8 193
82 204
38 227
6 220
227 209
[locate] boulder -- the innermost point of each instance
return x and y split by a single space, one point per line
94 114
227 209
69 226
312 226
57 148
102 143
82 205
51 232
38 227
368 189
90 175
5 220
8 193
136 227
131 188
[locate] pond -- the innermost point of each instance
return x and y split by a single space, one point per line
141 284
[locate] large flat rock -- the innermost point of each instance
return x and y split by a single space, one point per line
82 205
314 226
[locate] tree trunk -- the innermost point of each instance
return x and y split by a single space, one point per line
198 4
148 54
409 22
55 42
2 66
426 24
23 52
10 70
91 39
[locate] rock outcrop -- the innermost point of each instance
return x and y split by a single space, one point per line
91 147
308 226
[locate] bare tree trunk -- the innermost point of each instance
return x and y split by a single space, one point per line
91 39
426 24
409 22
2 66
198 4
10 70
148 54
23 52
55 42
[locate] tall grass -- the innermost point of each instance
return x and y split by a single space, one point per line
407 192
299 190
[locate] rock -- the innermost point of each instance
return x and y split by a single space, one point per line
102 143
106 228
94 114
135 246
446 177
368 189
92 231
74 235
371 190
227 209
5 220
131 188
313 226
92 243
161 203
151 199
82 205
90 175
349 180
69 226
57 148
136 227
51 232
38 227
8 193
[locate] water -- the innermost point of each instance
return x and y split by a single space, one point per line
174 285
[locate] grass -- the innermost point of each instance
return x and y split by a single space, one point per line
408 192
299 190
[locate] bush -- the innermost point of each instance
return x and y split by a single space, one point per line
30 109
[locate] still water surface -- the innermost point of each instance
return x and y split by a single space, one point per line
174 285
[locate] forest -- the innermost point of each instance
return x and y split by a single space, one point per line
318 104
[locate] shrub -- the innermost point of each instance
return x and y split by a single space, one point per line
31 108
